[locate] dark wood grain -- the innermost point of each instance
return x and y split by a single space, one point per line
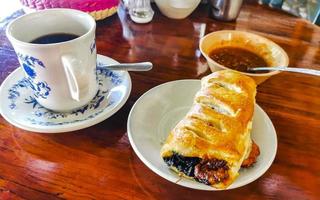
98 162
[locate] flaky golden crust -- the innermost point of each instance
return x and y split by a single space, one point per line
218 124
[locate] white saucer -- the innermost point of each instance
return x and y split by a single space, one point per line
155 114
20 108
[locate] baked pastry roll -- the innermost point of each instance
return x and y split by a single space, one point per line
213 140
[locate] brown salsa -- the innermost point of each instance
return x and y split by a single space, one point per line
238 59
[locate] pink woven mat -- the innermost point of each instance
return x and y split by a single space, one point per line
84 5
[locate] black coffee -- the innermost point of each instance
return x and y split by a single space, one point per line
54 38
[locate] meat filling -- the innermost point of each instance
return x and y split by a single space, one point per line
211 171
252 158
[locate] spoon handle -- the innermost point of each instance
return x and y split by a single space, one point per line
289 69
142 66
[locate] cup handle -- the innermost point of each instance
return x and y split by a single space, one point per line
70 63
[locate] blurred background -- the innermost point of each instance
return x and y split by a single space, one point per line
308 9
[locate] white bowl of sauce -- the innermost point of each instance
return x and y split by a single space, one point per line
238 50
177 9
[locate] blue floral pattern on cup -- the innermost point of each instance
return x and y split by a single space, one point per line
29 63
30 72
41 89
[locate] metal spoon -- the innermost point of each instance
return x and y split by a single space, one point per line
288 69
142 66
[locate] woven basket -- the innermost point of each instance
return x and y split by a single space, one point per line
99 9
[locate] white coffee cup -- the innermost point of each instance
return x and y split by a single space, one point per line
61 75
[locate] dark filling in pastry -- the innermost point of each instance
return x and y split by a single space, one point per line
183 164
207 171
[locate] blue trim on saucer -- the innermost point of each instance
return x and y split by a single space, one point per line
14 94
41 115
46 123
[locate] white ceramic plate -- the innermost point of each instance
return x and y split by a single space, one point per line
157 112
20 108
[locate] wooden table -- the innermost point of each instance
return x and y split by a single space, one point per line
99 163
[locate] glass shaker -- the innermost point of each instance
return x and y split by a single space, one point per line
140 11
